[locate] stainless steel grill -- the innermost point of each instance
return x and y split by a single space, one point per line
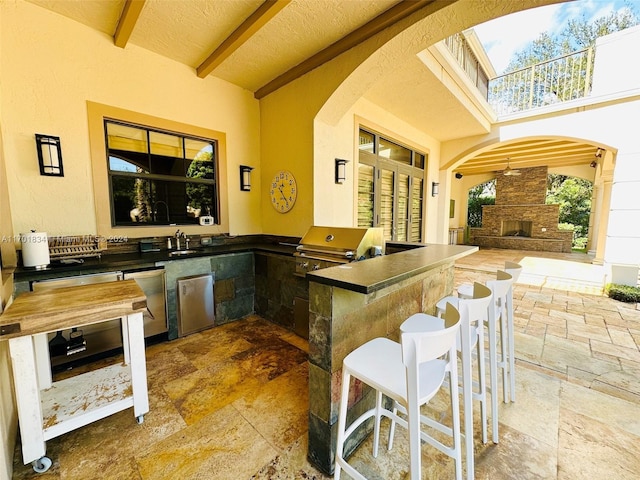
323 247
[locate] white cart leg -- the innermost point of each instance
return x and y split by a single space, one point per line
125 339
135 345
43 361
25 380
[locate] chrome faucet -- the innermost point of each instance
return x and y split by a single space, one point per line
178 235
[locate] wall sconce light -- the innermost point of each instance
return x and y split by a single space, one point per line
435 189
599 153
245 178
341 170
49 155
458 175
593 164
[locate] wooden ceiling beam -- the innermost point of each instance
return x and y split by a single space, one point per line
127 21
248 28
387 18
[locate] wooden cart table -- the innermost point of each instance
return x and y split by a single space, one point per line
47 409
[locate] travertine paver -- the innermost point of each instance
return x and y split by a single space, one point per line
564 323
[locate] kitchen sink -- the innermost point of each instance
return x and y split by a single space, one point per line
176 253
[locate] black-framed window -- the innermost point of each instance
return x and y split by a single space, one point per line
390 187
160 178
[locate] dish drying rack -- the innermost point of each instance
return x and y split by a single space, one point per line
61 248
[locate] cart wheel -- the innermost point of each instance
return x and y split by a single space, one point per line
140 419
41 465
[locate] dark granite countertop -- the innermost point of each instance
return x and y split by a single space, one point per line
139 261
377 273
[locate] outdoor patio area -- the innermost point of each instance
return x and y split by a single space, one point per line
231 403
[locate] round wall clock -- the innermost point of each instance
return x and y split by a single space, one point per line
283 191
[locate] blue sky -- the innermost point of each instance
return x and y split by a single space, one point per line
504 36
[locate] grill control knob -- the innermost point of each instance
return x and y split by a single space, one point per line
304 265
316 266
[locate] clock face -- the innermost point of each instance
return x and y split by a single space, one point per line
283 191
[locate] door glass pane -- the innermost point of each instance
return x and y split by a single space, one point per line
415 229
365 196
393 151
365 142
403 207
386 203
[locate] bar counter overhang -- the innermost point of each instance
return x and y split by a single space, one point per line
353 303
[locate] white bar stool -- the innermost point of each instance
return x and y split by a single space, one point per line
498 316
465 290
513 269
473 314
410 373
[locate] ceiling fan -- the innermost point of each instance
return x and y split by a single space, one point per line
509 171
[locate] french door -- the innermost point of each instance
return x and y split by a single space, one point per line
391 196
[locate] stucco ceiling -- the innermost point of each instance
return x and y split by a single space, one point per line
260 45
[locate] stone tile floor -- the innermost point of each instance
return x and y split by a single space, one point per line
231 402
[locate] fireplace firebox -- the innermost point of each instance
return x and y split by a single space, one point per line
516 228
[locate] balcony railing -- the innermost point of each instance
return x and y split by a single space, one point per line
558 80
459 47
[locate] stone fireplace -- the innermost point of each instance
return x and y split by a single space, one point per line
520 219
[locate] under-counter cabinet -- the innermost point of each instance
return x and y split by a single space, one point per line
48 409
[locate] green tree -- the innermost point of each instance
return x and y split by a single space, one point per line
482 194
573 195
200 196
576 35
556 67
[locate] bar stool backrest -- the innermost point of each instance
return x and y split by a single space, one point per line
420 346
513 269
500 287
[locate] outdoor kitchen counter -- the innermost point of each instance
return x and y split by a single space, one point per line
123 261
353 303
377 273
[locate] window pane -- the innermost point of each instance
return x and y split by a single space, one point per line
365 142
126 138
166 154
395 152
403 207
365 196
131 200
415 234
200 159
117 164
199 200
157 202
386 203
165 144
419 160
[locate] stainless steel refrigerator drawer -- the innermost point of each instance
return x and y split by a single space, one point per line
195 304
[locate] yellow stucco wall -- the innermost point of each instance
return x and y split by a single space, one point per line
51 81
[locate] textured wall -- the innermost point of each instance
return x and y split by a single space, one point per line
529 188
